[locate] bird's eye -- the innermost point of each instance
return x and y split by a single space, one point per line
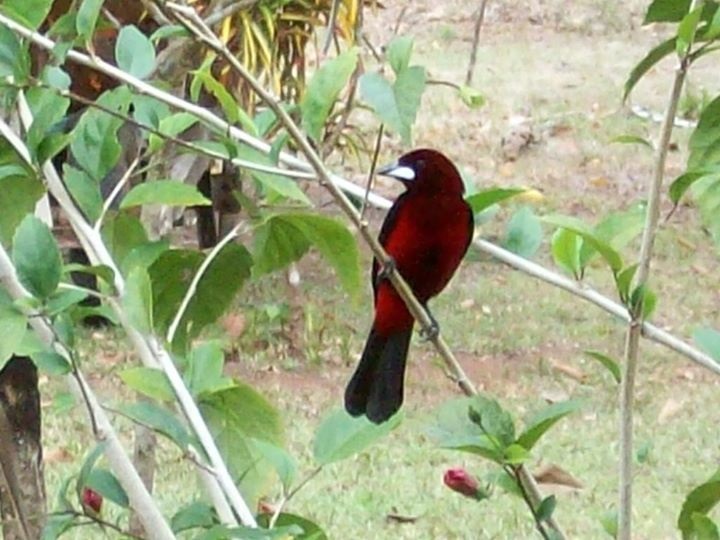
420 165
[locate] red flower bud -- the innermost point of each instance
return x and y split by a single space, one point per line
461 481
91 500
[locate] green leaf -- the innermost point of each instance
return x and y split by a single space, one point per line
87 466
87 18
399 51
524 233
284 238
515 454
94 141
227 101
158 419
485 199
223 532
101 271
138 299
609 522
647 63
238 417
704 527
85 191
608 363
546 508
492 419
149 382
396 105
453 429
682 183
36 257
122 234
173 271
167 192
14 57
283 463
30 12
204 372
611 256
45 137
632 139
623 280
341 435
708 340
20 192
13 326
144 255
323 90
565 246
700 500
104 482
172 126
280 185
196 515
666 11
51 362
704 142
310 530
134 52
686 30
56 525
61 300
149 111
541 422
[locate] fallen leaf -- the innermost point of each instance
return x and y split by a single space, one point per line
553 474
671 407
570 371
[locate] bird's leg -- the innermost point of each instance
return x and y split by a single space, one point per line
431 332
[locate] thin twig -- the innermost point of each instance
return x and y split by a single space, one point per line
634 331
290 494
332 19
371 173
116 192
476 41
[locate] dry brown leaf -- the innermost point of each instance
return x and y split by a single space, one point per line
671 407
57 455
568 370
553 474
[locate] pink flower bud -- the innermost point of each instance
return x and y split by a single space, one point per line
91 500
461 481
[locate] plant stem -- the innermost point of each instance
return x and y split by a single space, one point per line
476 41
632 340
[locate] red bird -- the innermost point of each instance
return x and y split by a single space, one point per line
426 233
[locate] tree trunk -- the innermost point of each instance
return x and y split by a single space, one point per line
22 486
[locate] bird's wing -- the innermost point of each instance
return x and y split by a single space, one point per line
387 228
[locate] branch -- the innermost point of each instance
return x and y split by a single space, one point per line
632 340
476 41
140 499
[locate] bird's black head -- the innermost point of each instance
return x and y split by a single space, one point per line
426 169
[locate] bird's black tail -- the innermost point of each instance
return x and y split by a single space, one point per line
376 388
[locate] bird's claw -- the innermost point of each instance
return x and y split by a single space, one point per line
387 269
430 333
